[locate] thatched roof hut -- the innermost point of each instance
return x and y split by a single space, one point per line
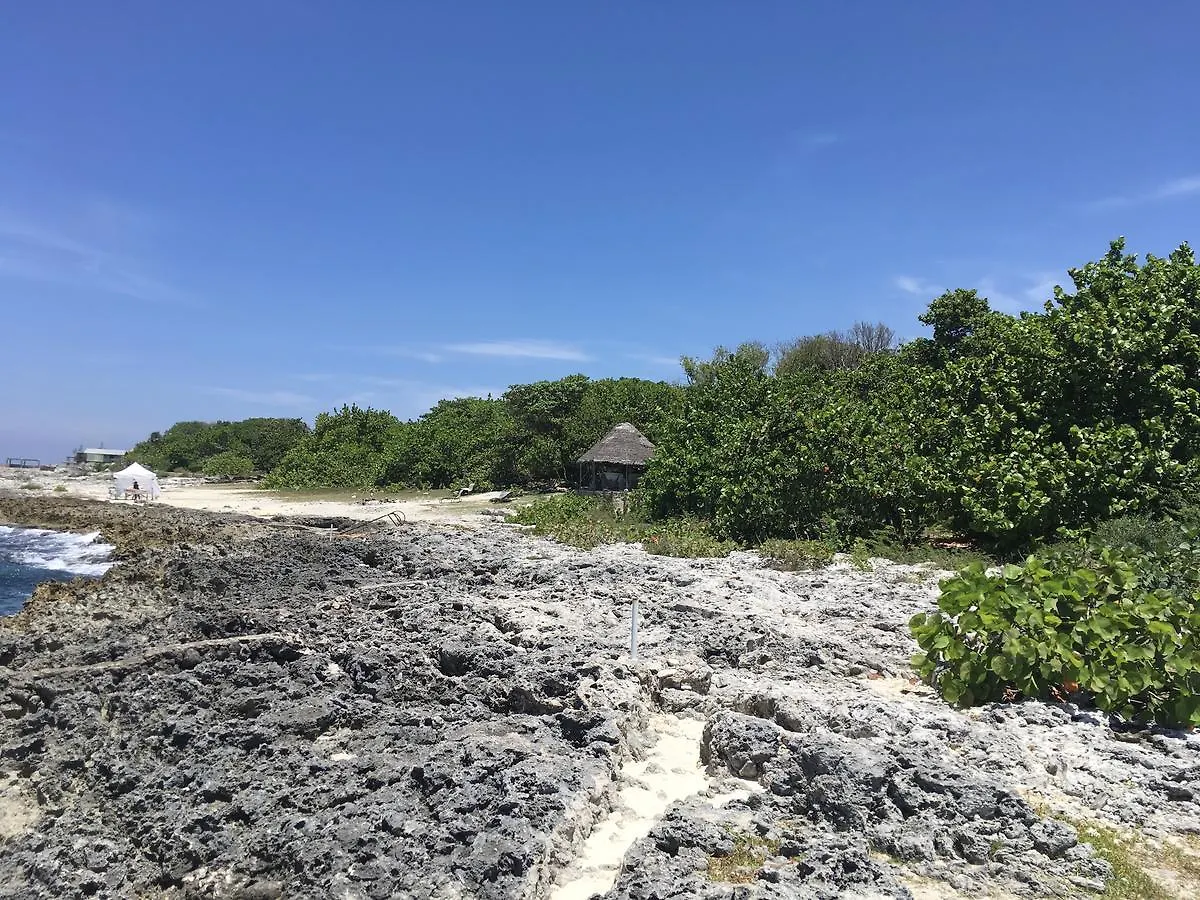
616 460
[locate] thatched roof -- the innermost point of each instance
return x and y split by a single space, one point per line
624 446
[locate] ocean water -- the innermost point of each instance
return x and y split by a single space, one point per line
29 556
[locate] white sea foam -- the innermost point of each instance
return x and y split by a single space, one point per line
56 551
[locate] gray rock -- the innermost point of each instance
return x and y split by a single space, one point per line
740 743
1053 838
447 714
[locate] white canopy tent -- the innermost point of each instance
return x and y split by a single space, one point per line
147 481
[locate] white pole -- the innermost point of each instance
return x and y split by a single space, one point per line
633 629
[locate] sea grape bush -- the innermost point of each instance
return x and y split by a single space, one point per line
1115 625
1009 430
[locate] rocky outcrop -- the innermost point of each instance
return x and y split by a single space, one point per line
236 711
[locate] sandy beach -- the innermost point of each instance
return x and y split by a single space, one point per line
247 499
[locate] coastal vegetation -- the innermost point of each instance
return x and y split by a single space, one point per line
1117 623
583 521
531 434
1007 430
220 448
1071 433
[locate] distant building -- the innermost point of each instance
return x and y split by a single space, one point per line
98 455
616 461
22 462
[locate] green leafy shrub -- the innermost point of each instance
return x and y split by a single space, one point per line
230 463
350 447
1010 430
576 520
1123 632
1138 533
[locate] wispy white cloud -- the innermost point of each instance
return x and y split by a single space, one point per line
399 351
1009 295
918 287
1042 288
655 359
405 397
442 391
264 398
417 353
999 298
384 381
520 349
410 397
1179 187
1170 190
32 251
426 356
509 349
1019 293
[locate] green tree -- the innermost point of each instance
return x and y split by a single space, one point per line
187 446
750 355
833 350
955 316
351 447
458 440
1012 430
815 453
228 463
1054 421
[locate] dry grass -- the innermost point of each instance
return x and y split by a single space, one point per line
744 862
1141 870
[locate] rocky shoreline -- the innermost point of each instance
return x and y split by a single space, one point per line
242 711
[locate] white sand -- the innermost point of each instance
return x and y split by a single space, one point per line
255 502
191 493
18 807
670 771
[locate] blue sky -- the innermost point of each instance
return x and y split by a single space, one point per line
224 209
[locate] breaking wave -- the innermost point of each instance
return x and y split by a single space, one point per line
32 555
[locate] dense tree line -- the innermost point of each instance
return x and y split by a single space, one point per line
1008 429
532 433
220 448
